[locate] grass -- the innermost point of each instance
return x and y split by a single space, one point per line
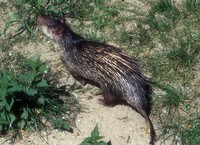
30 98
173 68
165 40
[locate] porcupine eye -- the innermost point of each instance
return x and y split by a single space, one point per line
58 31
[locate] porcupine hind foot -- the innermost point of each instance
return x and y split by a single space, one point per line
83 80
79 78
110 100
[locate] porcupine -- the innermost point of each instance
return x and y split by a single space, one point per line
103 66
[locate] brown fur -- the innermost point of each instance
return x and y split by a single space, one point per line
102 65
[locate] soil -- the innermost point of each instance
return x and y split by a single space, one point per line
120 124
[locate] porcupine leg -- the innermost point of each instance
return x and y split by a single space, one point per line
83 80
79 78
109 99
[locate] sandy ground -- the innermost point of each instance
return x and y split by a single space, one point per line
120 124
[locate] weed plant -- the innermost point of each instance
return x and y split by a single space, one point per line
94 139
30 98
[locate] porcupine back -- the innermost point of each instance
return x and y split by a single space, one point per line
108 67
102 65
115 73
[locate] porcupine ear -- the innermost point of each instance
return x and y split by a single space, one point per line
62 19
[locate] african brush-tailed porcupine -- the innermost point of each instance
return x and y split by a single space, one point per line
102 65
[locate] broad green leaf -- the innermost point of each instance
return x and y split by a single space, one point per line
99 137
3 92
42 84
88 139
95 144
24 114
85 144
103 143
15 88
51 8
21 124
6 105
43 68
8 102
31 92
31 63
65 126
31 76
1 104
39 2
12 118
28 77
2 115
1 127
95 132
4 81
61 124
41 100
